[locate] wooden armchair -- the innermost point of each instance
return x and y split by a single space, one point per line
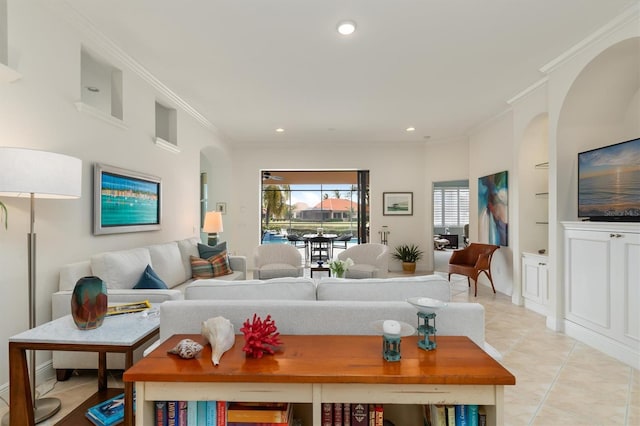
471 261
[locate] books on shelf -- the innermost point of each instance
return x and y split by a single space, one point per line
258 412
109 412
454 415
128 308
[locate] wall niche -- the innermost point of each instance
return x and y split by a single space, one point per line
101 91
7 75
166 127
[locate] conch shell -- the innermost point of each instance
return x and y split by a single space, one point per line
186 348
221 336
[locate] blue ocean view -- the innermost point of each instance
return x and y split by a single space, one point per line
117 211
610 194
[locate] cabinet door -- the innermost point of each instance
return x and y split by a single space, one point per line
625 277
535 283
588 279
531 288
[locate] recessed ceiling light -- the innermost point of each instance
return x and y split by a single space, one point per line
346 27
411 129
279 130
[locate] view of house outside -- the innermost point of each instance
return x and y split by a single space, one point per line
302 209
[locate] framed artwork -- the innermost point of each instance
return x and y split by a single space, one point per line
221 207
397 203
125 201
493 209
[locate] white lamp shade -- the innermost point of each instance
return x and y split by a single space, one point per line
213 223
44 174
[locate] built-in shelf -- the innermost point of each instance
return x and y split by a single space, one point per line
8 75
98 113
544 165
542 223
542 194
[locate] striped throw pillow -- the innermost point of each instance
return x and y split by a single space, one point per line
200 268
220 264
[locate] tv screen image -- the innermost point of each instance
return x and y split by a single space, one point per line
125 201
609 182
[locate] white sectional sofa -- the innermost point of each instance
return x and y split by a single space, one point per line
327 306
121 270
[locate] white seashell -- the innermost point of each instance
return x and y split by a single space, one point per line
186 348
221 336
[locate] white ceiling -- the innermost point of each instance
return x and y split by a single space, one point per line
441 66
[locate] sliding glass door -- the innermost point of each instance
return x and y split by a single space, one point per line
301 202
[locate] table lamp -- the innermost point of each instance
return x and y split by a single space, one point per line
213 225
38 174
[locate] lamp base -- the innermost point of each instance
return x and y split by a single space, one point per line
212 240
44 408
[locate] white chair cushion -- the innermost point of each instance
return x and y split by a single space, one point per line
361 271
277 270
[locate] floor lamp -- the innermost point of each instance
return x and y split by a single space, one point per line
212 225
37 174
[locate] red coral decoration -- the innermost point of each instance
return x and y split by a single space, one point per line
260 336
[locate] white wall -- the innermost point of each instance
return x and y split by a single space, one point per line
38 112
393 168
491 148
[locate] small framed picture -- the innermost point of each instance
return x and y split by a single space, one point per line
397 203
221 207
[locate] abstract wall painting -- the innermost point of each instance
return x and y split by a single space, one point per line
493 209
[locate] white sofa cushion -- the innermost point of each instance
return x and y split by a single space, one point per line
275 270
400 288
188 248
294 288
166 261
318 317
121 269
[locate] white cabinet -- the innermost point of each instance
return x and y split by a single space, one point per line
535 282
602 287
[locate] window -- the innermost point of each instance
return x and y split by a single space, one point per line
300 202
450 205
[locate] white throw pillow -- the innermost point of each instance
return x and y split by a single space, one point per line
167 263
121 269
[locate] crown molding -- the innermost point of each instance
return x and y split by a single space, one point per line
101 44
529 90
615 24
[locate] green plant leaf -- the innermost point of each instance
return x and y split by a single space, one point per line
4 213
408 253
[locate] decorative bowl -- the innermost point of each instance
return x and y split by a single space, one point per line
426 304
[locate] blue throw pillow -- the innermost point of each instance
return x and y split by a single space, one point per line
206 251
150 280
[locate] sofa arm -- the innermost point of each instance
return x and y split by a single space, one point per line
61 300
239 264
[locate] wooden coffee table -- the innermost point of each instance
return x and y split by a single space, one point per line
120 333
311 370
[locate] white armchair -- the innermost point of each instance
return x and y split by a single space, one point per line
277 260
370 260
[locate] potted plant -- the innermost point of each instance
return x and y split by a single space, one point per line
408 255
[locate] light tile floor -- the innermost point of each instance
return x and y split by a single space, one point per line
559 381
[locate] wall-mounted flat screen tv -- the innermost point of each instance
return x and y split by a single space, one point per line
609 183
125 201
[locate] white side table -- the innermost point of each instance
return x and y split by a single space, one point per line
120 333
